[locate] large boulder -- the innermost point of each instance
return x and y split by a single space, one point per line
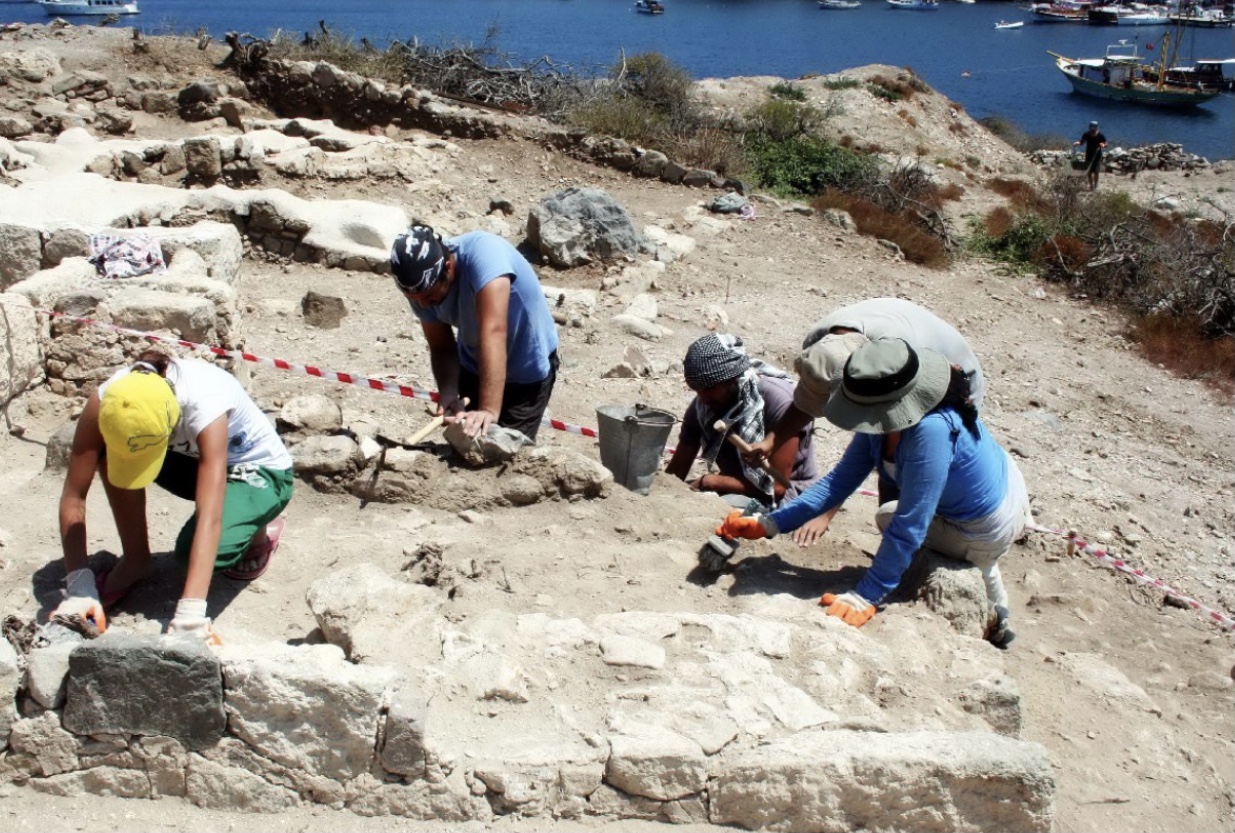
10 679
21 253
21 360
580 225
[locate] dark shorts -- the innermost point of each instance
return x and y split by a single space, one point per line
523 405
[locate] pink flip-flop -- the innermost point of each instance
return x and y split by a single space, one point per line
108 599
257 559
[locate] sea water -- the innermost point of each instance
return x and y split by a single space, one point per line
955 49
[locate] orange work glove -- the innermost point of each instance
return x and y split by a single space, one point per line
738 526
849 608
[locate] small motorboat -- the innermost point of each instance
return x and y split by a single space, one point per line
914 5
649 7
1009 24
62 8
839 5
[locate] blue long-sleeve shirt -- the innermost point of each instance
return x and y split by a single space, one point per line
941 469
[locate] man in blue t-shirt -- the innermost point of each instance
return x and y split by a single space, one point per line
491 336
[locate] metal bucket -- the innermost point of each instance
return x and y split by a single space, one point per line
632 442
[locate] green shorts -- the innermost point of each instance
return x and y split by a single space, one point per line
254 497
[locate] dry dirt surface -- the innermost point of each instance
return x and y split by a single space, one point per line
1111 446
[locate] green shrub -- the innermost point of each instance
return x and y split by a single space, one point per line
781 120
787 91
880 91
842 83
802 166
1019 139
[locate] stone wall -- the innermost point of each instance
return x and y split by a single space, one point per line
684 718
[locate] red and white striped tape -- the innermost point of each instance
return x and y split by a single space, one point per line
1078 544
1074 541
302 369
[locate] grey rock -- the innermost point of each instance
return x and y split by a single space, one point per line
672 172
579 225
59 447
698 178
159 103
101 780
953 589
13 127
650 165
21 354
639 327
656 763
311 413
621 370
325 311
565 473
21 253
47 672
113 120
403 751
355 609
840 219
318 455
146 685
495 446
997 700
203 158
520 489
153 310
730 203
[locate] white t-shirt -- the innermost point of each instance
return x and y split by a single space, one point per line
205 393
917 326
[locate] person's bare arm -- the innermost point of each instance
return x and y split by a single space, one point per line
211 489
782 460
83 463
492 314
683 458
787 427
444 359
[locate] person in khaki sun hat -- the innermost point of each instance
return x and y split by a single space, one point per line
960 494
827 346
190 428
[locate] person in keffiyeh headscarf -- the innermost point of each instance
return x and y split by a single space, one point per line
747 395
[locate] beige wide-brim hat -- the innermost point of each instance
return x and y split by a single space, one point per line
887 386
819 368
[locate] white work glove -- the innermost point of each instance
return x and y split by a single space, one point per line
81 598
191 621
848 607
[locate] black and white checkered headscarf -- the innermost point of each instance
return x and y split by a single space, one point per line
713 359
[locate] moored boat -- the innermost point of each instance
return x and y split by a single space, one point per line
1122 75
649 7
915 5
61 8
1009 24
839 5
1134 15
1203 19
1059 13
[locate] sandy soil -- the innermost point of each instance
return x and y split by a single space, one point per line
1110 446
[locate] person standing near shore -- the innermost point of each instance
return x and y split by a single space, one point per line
1095 143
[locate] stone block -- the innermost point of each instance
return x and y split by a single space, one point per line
632 651
922 781
45 288
21 253
21 359
997 700
656 763
100 780
306 707
403 751
10 680
154 310
146 685
217 787
47 671
219 244
203 158
52 749
953 589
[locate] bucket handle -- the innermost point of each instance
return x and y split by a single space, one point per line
641 411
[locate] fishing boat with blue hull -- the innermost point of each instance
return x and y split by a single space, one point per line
1123 75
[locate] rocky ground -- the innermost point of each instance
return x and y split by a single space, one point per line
1129 697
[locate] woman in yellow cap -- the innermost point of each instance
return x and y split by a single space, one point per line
188 426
